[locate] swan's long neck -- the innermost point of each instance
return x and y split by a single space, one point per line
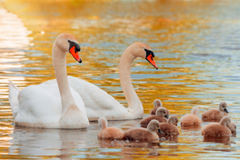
59 64
134 103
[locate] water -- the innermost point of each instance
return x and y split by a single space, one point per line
196 44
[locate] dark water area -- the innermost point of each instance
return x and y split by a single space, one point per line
197 49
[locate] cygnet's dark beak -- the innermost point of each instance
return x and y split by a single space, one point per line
226 110
159 131
166 116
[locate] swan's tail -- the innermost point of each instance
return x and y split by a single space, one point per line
13 97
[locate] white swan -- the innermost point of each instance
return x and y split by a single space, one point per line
99 103
57 107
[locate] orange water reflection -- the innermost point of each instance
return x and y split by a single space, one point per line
197 51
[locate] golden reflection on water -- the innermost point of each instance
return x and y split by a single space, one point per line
196 49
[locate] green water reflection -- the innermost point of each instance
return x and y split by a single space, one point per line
196 44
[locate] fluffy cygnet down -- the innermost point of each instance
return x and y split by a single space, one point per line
157 103
216 114
109 132
232 126
143 134
161 115
217 129
191 119
169 128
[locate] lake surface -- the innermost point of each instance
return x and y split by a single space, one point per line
197 49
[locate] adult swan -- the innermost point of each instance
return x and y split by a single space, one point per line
99 103
58 106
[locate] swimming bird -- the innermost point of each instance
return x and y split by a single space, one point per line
143 134
58 107
217 129
161 115
169 127
109 132
101 104
191 119
232 126
216 114
157 103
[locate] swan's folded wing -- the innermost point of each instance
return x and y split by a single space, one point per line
36 105
52 87
97 101
93 96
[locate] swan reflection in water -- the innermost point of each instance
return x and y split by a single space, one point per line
49 142
80 143
84 143
63 143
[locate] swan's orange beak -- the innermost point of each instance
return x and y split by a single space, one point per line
74 53
150 59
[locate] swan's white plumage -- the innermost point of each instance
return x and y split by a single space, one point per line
37 105
42 105
98 101
53 89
